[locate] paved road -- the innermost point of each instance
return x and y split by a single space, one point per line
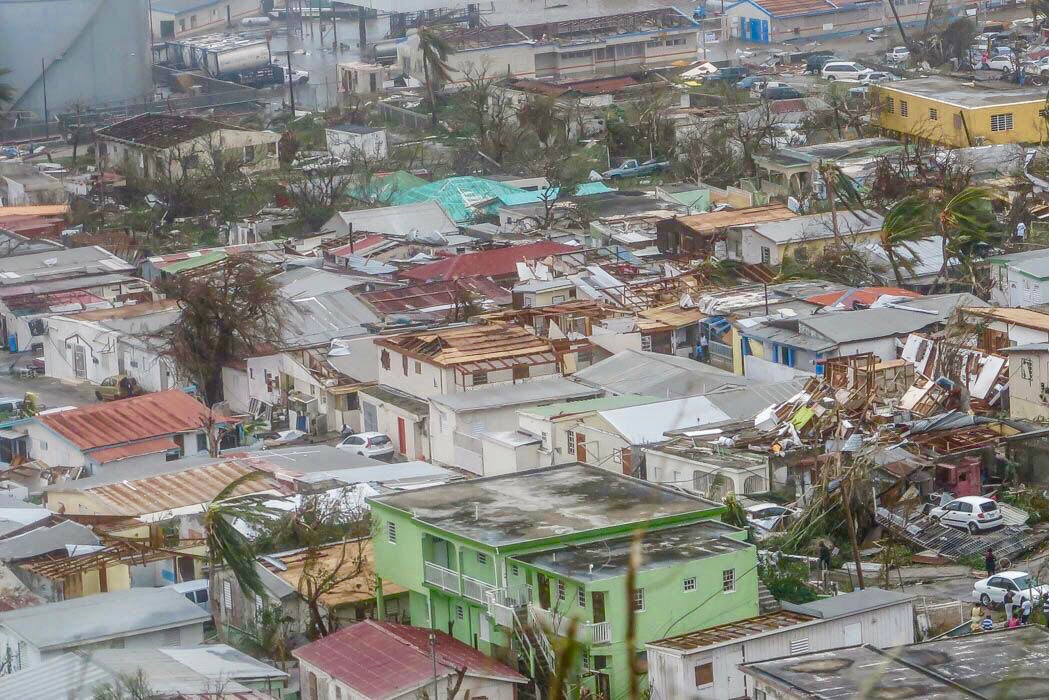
52 393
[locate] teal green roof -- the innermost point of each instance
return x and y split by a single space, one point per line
458 195
536 196
605 403
208 258
383 188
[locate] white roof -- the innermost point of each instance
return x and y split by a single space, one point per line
818 226
640 425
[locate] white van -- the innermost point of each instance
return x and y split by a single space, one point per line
195 591
845 71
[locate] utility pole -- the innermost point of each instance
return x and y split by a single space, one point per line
43 80
845 491
291 84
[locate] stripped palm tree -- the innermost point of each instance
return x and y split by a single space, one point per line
904 225
964 221
227 546
435 50
840 188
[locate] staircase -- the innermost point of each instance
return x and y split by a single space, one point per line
766 602
534 654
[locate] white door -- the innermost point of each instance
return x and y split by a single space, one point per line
853 635
79 361
735 685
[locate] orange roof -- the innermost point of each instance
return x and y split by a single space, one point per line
36 210
128 420
715 220
865 296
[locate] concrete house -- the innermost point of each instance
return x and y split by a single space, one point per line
342 665
139 618
705 664
93 346
163 144
400 221
466 427
801 237
34 287
1028 379
552 544
85 439
23 185
353 142
1020 279
775 21
176 18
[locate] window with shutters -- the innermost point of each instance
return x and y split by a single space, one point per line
903 108
391 532
418 367
766 255
581 598
689 584
799 646
404 364
171 638
646 343
384 359
482 558
514 570
561 594
637 600
728 580
460 614
704 675
313 686
480 378
934 115
1002 122
570 436
227 596
890 105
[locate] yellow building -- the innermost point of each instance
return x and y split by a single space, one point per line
960 114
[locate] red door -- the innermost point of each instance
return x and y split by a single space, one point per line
400 436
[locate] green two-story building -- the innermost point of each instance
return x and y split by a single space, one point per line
504 563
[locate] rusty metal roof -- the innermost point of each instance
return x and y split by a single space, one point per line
165 492
716 220
135 449
733 631
129 420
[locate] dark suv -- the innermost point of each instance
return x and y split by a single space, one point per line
814 64
731 74
781 93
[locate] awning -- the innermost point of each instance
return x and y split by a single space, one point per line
6 434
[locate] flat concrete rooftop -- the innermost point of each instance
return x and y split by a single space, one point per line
962 94
659 549
550 502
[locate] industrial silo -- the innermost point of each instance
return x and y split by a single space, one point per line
92 51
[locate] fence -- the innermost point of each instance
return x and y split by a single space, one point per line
404 117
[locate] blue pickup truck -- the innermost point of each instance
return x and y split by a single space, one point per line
632 168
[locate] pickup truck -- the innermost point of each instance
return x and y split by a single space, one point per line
631 168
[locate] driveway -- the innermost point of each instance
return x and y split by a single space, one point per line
51 392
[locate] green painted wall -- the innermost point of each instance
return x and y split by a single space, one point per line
669 609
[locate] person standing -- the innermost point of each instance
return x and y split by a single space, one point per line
1009 605
704 346
824 557
1026 608
1021 231
990 562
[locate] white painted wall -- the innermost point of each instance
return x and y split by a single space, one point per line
235 389
665 468
51 448
350 146
672 673
444 423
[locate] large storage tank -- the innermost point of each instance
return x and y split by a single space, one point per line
93 51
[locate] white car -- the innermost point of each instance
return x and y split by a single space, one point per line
879 77
845 71
368 444
897 54
999 63
769 517
973 513
758 88
991 590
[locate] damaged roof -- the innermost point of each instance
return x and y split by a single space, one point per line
473 343
161 130
498 262
727 218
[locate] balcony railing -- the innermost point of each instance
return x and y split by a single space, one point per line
442 578
502 603
586 632
600 632
476 590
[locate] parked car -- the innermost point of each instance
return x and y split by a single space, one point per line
999 63
377 445
117 387
759 89
897 54
284 438
973 513
876 33
11 406
195 591
731 74
781 93
632 168
769 517
845 71
876 77
815 62
991 590
752 81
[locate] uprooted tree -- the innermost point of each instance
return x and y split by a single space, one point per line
229 311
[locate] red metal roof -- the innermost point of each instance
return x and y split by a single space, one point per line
135 449
128 420
359 247
428 295
385 660
487 263
865 296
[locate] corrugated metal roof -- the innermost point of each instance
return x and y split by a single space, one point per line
382 660
712 221
134 449
733 631
641 425
656 374
128 420
182 489
49 538
472 343
497 395
79 621
488 263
